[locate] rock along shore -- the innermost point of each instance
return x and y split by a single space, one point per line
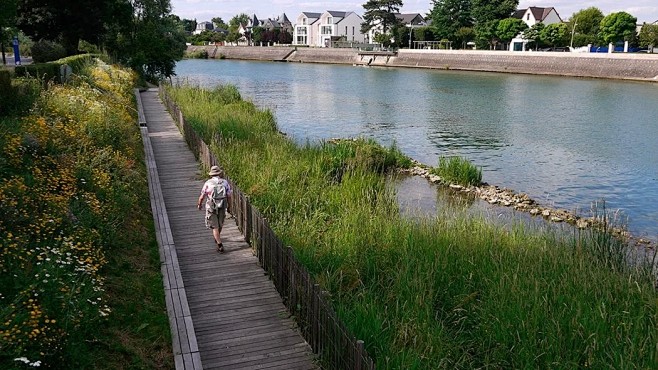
625 66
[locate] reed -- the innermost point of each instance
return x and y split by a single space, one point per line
452 291
458 170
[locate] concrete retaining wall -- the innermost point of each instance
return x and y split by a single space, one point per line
641 67
324 55
616 66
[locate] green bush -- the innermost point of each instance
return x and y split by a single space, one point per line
46 51
51 71
457 170
41 71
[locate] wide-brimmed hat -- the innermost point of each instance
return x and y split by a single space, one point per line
215 171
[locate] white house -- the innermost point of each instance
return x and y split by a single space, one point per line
409 20
334 24
203 26
532 16
305 29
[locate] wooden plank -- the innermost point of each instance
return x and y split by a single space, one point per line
219 301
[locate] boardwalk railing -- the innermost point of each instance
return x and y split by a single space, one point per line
318 322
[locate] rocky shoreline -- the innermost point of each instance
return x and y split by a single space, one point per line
495 195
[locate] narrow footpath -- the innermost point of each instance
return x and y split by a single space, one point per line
225 313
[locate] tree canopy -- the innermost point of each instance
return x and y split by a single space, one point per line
141 33
508 28
380 13
448 16
492 10
554 34
618 26
649 35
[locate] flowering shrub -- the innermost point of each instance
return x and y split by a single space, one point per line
67 175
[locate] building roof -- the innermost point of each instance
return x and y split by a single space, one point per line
409 18
312 15
337 14
539 13
283 18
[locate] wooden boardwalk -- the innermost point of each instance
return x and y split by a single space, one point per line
225 313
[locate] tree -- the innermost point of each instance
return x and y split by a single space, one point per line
554 34
492 10
219 23
618 26
485 34
7 22
534 34
237 20
380 13
585 25
153 42
448 16
257 34
189 25
285 37
464 35
649 35
69 22
509 28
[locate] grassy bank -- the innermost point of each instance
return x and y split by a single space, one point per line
447 292
80 283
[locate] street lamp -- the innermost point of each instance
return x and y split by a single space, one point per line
573 30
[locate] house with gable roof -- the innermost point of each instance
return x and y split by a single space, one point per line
410 20
335 24
304 30
532 16
322 29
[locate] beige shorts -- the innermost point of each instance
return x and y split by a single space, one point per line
215 220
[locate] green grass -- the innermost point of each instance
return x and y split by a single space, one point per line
440 293
458 170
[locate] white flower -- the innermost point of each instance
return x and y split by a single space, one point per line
23 359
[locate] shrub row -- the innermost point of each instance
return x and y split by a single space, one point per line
52 70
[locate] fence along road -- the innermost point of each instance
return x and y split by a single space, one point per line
239 320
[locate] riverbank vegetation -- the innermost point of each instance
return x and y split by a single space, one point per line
80 283
458 170
445 292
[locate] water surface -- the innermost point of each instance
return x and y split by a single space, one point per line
566 142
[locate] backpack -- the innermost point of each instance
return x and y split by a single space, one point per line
217 198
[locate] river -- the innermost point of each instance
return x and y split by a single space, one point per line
566 142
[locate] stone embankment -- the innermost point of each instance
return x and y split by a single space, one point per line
522 202
638 67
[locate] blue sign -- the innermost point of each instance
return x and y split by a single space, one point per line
17 54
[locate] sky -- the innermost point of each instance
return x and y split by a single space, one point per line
204 10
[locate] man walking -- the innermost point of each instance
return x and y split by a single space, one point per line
217 193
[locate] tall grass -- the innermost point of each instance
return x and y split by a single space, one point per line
80 285
458 170
444 292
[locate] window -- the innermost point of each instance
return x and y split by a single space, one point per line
304 21
330 20
326 30
352 33
346 30
527 17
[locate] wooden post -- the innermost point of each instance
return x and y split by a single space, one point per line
316 317
247 233
358 355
